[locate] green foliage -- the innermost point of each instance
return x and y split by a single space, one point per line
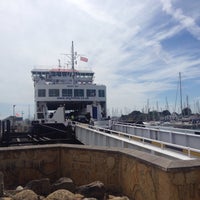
136 116
165 113
186 111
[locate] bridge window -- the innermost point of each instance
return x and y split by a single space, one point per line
64 74
79 93
91 93
67 92
54 92
101 93
41 93
52 73
58 73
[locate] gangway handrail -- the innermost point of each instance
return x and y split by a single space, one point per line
160 144
162 130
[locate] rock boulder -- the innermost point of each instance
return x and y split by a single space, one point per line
64 183
95 189
60 195
26 194
40 187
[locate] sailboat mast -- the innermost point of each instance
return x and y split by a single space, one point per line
180 92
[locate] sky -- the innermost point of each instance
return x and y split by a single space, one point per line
136 48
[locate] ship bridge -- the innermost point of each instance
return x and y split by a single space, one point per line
62 75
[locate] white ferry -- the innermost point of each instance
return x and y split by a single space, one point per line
71 90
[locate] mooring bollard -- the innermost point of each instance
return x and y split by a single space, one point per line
1 185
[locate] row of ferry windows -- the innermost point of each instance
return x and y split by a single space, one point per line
69 93
63 74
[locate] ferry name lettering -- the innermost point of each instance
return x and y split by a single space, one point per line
72 98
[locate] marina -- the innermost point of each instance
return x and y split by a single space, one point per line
71 115
100 100
71 108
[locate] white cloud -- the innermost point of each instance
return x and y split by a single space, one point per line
186 21
121 39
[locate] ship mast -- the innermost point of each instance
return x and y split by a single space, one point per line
72 61
72 55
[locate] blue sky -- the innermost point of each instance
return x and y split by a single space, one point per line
136 48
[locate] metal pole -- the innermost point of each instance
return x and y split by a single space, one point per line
180 92
3 130
13 124
7 132
72 61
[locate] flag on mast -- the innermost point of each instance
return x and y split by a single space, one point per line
84 59
17 115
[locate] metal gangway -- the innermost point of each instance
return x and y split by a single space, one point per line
170 144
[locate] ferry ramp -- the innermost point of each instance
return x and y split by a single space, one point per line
161 143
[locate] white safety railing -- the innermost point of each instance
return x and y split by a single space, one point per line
93 135
188 139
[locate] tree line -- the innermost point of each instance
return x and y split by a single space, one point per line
165 115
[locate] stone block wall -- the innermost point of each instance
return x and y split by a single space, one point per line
145 176
85 165
22 164
137 174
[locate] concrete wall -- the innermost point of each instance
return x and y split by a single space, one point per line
21 164
137 174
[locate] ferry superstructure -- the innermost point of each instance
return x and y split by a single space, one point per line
72 89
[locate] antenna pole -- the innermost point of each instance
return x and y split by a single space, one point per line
72 57
59 65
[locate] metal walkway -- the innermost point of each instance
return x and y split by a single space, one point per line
149 140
